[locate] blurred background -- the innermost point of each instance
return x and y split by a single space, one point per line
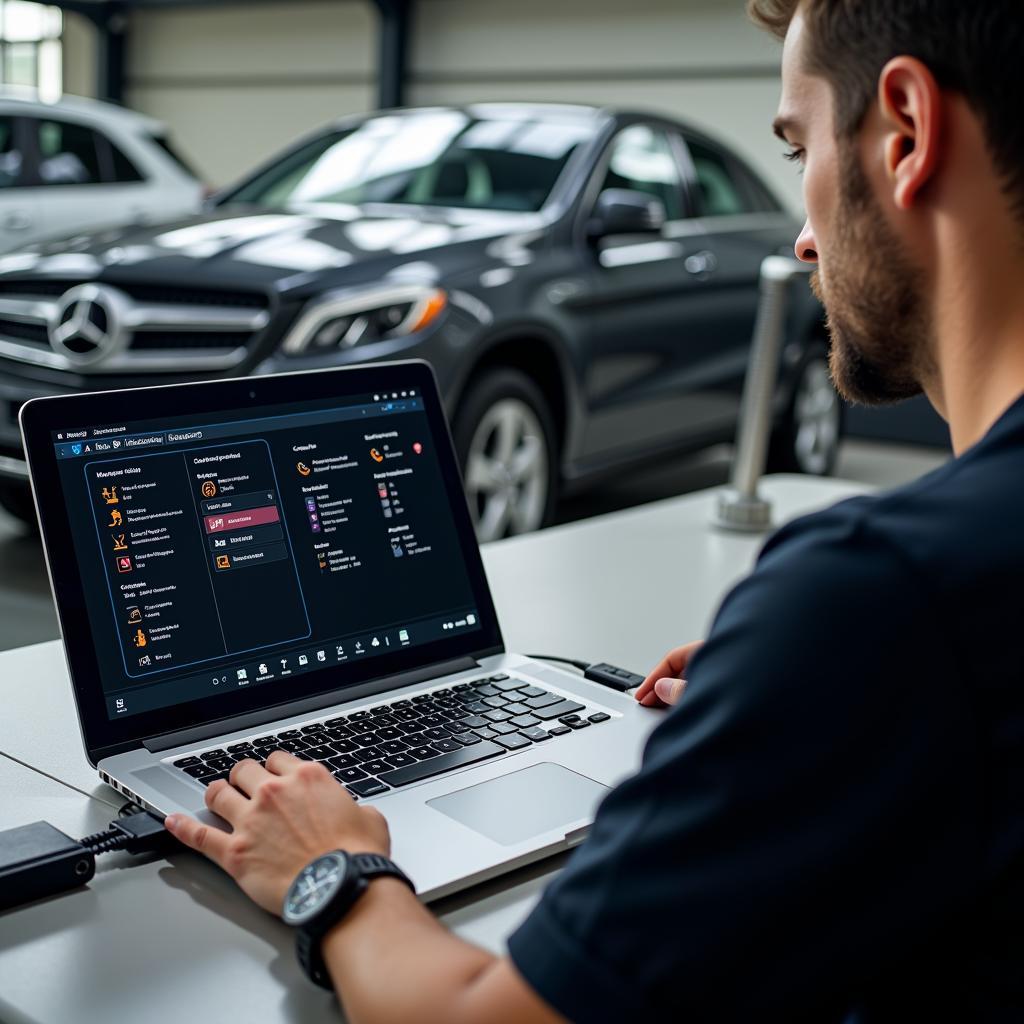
227 89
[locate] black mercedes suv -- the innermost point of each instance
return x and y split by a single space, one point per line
583 281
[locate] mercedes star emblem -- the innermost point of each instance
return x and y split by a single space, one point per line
88 324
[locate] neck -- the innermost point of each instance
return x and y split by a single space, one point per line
979 336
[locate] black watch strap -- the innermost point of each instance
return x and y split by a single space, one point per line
308 937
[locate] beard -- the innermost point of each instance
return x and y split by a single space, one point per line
872 294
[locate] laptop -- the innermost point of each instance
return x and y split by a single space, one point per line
289 562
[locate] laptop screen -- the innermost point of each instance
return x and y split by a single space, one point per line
250 549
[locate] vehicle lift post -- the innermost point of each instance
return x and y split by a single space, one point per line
740 506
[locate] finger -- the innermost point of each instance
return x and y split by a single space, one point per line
671 665
247 775
204 839
281 762
670 690
222 798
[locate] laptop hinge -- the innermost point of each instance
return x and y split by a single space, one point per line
198 733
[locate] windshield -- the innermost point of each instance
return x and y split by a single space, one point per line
427 158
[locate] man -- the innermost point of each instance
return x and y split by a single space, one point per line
830 826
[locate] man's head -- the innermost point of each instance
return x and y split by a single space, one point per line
875 92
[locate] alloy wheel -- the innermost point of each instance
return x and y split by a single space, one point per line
817 416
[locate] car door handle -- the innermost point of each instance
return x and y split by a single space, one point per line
17 221
703 262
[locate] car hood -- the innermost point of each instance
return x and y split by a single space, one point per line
275 249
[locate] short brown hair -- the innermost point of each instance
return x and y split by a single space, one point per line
970 46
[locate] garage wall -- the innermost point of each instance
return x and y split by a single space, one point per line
235 84
271 71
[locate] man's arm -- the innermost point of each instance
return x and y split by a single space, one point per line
389 958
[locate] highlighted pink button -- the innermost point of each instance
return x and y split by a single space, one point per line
240 520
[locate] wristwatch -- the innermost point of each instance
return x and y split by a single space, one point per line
322 894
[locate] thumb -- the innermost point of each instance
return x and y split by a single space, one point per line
670 690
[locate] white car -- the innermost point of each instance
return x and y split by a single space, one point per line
79 166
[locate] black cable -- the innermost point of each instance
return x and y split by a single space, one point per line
576 663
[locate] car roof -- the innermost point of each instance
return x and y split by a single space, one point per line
14 99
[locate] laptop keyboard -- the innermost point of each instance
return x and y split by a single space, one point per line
393 745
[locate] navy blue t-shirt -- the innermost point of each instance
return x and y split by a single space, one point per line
830 825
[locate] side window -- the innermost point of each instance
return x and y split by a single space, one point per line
68 154
123 169
642 160
10 154
719 194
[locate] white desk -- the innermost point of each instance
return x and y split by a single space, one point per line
169 938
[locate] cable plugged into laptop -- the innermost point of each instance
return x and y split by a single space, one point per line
38 860
598 672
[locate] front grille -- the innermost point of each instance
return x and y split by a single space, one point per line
162 327
35 334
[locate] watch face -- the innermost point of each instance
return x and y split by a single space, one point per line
315 886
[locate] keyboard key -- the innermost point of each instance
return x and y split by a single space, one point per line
366 739
368 754
441 763
431 721
486 690
496 702
394 747
400 704
316 739
341 762
370 787
289 734
380 709
569 719
315 727
478 707
358 716
542 700
498 716
407 715
503 728
197 771
537 734
443 692
485 734
221 764
514 741
517 709
264 741
559 730
463 726
580 723
189 762
292 746
239 748
332 722
244 755
497 678
212 755
423 753
445 746
319 753
389 733
563 707
598 716
524 721
375 767
475 722
458 687
532 691
437 734
400 760
339 732
214 778
467 739
503 686
352 793
350 774
344 746
385 721
420 698
415 739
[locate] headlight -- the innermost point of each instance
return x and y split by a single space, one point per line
341 320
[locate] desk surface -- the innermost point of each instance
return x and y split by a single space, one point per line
135 943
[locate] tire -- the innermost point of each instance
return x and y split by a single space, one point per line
506 443
16 499
807 438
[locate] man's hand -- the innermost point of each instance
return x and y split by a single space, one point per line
667 682
283 817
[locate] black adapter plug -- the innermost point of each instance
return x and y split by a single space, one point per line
38 860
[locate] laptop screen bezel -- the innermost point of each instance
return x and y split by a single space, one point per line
41 417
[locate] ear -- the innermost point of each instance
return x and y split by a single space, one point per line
911 105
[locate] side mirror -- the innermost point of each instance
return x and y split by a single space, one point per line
621 211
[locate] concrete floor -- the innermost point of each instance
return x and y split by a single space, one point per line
26 608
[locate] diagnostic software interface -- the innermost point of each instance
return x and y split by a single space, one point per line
238 552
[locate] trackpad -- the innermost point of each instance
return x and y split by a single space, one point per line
526 803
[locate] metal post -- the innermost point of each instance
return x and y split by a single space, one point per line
393 51
740 507
111 55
